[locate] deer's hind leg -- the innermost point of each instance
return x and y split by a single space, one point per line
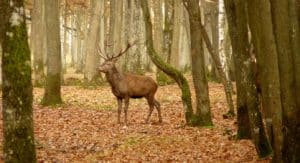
157 106
151 104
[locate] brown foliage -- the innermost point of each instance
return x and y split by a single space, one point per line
84 129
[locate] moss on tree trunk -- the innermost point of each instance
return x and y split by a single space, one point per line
52 90
287 35
249 117
52 93
168 69
17 88
260 23
203 112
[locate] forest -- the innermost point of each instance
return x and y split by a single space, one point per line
150 81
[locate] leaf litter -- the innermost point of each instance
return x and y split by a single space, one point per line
85 129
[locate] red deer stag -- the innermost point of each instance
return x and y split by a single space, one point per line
127 85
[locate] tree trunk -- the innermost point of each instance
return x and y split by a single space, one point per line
52 93
239 32
80 36
228 55
139 33
286 32
249 116
211 15
166 68
37 41
0 63
85 29
225 81
66 45
73 39
265 46
168 28
161 78
18 143
116 11
198 67
178 14
92 58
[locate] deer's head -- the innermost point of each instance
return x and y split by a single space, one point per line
109 61
107 65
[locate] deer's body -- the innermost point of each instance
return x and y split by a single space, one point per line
125 86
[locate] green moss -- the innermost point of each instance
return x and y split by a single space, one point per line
163 79
17 95
52 94
94 83
73 82
201 121
213 78
166 68
265 150
106 107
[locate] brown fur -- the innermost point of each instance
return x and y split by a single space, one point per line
126 85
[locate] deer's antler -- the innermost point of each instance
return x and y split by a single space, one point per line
100 53
125 50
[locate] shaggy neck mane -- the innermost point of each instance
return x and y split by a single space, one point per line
113 76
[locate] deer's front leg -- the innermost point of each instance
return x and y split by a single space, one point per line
119 108
126 108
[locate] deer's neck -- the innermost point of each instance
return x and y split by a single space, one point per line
114 76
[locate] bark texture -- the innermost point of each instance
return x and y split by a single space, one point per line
92 59
37 42
52 95
286 32
260 23
249 115
178 16
198 67
166 68
17 88
216 59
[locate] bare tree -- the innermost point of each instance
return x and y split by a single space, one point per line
249 117
52 93
260 23
178 16
93 35
286 29
37 42
198 66
17 88
190 118
115 26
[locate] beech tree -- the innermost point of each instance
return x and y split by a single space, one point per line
38 42
52 93
17 88
198 66
249 117
190 117
274 27
93 36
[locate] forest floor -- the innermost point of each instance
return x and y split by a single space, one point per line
85 129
